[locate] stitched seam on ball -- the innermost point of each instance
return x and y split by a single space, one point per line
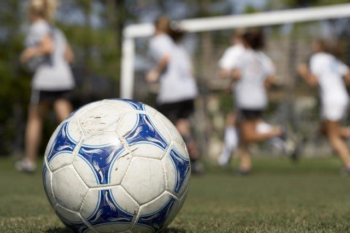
83 202
130 196
127 147
172 194
87 223
164 173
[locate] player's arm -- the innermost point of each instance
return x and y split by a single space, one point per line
154 74
305 73
270 80
45 47
68 54
345 72
236 74
347 79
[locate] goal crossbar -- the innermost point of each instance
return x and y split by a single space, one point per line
132 32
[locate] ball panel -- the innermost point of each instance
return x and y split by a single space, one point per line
52 140
144 179
119 168
181 163
90 204
107 216
102 139
147 151
124 201
68 188
71 219
170 172
138 128
47 181
100 119
128 105
73 130
155 213
176 208
151 111
101 161
127 123
85 108
86 171
62 143
173 132
73 216
60 160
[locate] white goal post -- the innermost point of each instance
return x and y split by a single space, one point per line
132 32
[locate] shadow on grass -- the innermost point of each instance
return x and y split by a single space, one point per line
173 230
67 230
59 230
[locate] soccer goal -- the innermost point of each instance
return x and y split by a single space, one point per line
288 37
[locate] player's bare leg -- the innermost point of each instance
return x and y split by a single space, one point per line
62 108
337 143
246 160
184 128
251 135
32 139
345 132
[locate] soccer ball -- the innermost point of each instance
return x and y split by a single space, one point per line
116 166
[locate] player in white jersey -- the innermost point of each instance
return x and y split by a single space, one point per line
226 63
328 73
47 53
178 88
254 72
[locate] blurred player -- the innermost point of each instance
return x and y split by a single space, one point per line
178 88
226 63
48 54
327 72
254 73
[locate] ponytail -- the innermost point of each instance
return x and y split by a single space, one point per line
44 8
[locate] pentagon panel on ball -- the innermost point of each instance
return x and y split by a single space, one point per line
116 165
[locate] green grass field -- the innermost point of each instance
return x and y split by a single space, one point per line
278 197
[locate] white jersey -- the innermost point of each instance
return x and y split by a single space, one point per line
329 72
176 82
250 90
53 73
231 56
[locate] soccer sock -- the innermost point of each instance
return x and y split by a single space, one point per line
347 167
276 142
230 144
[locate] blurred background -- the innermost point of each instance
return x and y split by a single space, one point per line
94 30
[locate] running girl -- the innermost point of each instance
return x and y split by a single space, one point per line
178 88
48 54
327 72
254 72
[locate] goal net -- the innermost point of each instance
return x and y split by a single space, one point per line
288 36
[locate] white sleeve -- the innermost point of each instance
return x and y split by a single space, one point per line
342 68
160 47
41 30
315 66
269 67
226 61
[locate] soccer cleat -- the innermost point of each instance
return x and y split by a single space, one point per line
243 172
25 165
345 172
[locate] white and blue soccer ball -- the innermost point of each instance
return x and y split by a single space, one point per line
116 166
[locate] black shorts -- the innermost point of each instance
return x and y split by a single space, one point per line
48 97
250 114
177 110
